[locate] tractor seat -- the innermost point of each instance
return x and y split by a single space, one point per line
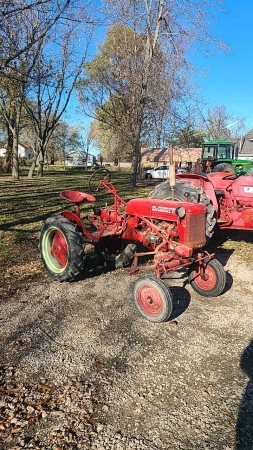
76 196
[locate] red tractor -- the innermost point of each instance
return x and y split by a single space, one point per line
227 196
173 234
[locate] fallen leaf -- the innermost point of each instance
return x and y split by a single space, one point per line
173 323
12 391
44 387
209 389
30 409
16 430
100 366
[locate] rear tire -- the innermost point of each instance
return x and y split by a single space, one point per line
149 176
224 167
249 173
215 280
61 248
196 195
153 299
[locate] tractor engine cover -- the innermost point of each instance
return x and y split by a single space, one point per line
191 227
242 190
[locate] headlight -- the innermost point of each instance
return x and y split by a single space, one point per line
180 212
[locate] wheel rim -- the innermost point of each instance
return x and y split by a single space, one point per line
150 300
55 250
210 280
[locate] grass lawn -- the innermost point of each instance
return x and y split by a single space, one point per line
25 204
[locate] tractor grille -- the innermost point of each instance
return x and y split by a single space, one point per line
195 230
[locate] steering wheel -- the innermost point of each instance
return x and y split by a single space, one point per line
99 175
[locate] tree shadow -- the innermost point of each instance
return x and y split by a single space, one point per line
244 427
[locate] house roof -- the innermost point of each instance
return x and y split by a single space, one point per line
246 144
161 155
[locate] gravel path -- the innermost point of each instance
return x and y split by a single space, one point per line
80 368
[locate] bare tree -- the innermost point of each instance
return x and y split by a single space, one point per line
24 24
220 124
63 139
11 103
17 15
216 121
55 73
85 143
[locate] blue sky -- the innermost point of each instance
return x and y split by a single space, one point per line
229 77
229 81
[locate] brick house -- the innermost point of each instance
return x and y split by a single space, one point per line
153 157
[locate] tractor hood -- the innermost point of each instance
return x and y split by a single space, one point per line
161 209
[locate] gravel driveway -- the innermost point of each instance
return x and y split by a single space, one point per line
80 368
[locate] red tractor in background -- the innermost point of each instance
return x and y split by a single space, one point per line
227 196
173 234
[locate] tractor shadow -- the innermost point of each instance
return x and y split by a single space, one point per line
181 300
180 294
220 237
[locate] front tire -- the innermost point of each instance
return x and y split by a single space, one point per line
115 252
214 280
61 248
153 299
196 195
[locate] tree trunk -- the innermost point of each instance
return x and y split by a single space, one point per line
15 168
149 53
30 173
158 134
136 153
6 165
41 164
35 161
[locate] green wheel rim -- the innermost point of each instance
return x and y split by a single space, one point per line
46 246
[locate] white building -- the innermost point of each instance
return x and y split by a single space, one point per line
24 151
78 158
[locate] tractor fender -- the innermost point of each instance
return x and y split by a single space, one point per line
201 180
74 218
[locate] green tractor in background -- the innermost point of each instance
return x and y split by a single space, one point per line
221 156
